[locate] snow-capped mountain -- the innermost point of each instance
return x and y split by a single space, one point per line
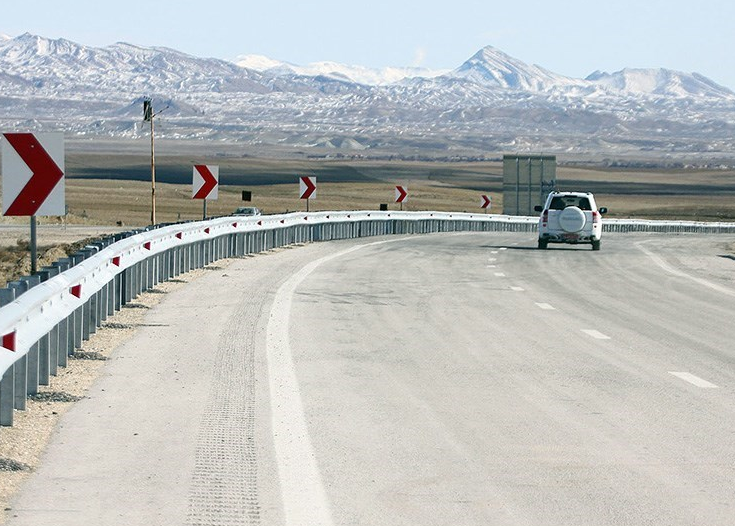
357 74
492 67
61 64
663 82
490 104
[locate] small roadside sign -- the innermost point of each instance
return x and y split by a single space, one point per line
401 194
205 183
307 187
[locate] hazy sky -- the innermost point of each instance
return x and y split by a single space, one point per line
572 37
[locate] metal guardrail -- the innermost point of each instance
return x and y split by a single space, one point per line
44 318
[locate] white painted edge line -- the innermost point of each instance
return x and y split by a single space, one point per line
694 380
595 334
499 275
545 306
304 498
658 260
517 289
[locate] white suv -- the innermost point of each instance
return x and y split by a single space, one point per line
570 217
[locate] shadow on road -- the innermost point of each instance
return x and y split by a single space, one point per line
534 248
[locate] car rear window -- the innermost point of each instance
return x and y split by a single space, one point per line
561 202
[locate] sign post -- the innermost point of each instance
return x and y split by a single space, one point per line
307 189
33 178
205 184
34 246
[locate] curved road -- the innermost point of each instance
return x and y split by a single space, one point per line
464 379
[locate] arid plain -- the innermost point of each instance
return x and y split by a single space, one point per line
108 191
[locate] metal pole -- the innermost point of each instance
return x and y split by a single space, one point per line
541 186
153 178
34 246
518 186
530 185
204 209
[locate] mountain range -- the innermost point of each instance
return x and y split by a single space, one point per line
490 104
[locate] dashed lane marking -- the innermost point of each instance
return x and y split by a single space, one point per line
595 334
694 380
545 306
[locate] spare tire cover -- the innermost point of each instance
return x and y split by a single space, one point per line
572 219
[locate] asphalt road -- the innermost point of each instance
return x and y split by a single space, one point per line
465 379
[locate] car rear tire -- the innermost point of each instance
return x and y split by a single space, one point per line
543 244
595 244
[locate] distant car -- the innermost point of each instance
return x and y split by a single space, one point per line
247 211
570 217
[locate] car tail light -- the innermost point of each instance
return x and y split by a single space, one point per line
595 217
545 217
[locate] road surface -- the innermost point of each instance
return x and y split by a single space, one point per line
465 379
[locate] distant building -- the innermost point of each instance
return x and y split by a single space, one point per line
527 180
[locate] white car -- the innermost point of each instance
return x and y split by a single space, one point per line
247 211
570 217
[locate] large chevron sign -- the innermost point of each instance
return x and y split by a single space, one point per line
33 174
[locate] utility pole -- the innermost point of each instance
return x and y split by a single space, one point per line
148 115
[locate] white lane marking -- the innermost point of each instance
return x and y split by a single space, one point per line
499 275
694 380
595 334
492 259
302 489
503 248
492 266
493 251
671 270
517 289
545 306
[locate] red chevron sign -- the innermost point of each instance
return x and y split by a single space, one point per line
486 201
33 174
206 182
307 187
401 194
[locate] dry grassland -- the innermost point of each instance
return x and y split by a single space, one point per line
113 191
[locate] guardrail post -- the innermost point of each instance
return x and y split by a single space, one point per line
20 378
171 263
33 355
7 383
66 326
45 274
